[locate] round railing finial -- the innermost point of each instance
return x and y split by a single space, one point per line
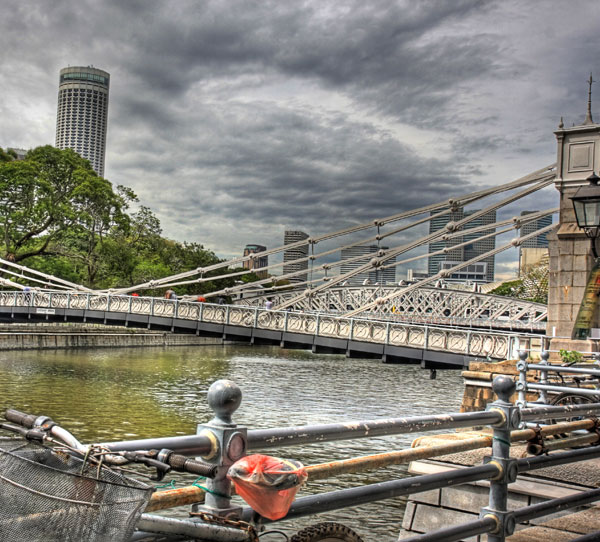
224 398
504 386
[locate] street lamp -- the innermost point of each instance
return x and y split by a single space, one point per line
586 203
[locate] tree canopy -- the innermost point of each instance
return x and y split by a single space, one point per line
58 216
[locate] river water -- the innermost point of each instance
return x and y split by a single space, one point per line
127 393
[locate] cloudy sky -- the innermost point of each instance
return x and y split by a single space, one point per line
234 120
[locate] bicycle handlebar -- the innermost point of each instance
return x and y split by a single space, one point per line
20 418
181 463
163 460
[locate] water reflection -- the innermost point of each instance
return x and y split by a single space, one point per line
114 394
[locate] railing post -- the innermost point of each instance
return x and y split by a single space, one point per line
387 333
130 303
152 307
200 312
229 443
504 387
176 309
87 302
68 300
226 317
255 317
351 334
543 398
285 321
426 338
107 302
522 383
469 334
317 324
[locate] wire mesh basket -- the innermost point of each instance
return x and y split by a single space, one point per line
49 495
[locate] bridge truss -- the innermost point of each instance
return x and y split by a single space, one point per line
422 305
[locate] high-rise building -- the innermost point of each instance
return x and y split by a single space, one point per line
539 241
535 250
82 113
376 276
258 262
483 270
297 253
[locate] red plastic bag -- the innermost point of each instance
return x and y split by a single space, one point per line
268 484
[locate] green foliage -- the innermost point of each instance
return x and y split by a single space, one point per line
570 356
533 286
509 289
7 155
58 216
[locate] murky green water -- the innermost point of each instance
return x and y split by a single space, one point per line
117 394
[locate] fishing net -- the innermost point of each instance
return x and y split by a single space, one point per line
50 495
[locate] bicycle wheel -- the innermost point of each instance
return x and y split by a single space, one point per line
326 532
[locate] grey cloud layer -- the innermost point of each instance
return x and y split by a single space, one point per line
234 120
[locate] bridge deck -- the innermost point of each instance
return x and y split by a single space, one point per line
433 346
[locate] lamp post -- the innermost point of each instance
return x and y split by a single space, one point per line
586 203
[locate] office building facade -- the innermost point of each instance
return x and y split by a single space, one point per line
82 113
257 262
355 257
481 271
297 253
539 241
533 251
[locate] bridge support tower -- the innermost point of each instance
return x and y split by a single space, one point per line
571 259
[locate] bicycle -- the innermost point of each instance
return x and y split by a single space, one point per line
53 487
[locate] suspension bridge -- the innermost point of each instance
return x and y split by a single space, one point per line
433 325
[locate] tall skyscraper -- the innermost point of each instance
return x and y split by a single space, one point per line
256 263
539 241
482 271
291 255
376 276
82 113
533 251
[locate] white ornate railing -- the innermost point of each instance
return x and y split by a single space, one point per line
468 342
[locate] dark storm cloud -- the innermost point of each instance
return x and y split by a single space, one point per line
234 120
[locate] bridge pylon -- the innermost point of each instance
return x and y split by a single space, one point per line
572 265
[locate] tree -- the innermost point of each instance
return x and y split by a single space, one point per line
54 199
532 286
7 155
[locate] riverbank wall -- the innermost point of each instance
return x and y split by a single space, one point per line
58 336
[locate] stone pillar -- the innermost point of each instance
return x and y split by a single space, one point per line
571 259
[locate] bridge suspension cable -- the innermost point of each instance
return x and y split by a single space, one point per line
540 177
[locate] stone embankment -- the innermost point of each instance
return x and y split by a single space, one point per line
51 336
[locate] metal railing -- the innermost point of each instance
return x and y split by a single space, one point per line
557 383
463 341
222 442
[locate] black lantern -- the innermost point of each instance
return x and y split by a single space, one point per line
586 203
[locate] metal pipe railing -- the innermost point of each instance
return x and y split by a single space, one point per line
290 436
355 496
307 434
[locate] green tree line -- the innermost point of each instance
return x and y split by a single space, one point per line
59 217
